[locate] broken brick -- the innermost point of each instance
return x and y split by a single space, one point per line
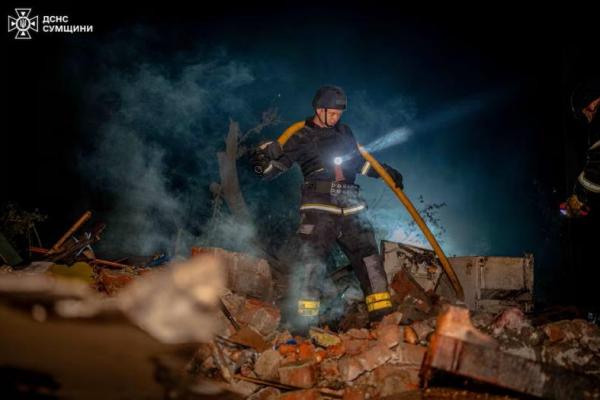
306 351
358 333
267 364
353 394
329 370
310 394
409 354
404 285
350 368
392 379
389 335
355 346
392 319
112 281
286 349
410 336
267 393
511 319
262 316
421 329
299 374
481 360
566 330
374 357
245 275
336 351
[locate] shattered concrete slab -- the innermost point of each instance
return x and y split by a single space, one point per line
492 284
460 349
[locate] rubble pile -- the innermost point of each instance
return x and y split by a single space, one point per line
401 353
490 337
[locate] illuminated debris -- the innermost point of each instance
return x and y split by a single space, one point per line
420 263
111 281
492 284
406 289
458 348
323 338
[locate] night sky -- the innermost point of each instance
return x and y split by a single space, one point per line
126 121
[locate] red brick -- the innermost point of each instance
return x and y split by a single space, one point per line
298 374
350 368
353 394
264 317
267 364
306 351
329 370
422 329
392 319
355 346
267 393
358 333
404 286
410 336
285 349
336 351
374 357
311 394
113 281
389 335
410 354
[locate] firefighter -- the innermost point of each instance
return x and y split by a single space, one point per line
332 209
583 206
585 102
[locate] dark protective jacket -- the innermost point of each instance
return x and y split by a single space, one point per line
327 186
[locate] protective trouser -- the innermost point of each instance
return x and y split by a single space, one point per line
318 232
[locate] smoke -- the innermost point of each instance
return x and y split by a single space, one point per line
157 128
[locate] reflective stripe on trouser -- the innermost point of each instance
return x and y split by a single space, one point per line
308 308
332 209
378 301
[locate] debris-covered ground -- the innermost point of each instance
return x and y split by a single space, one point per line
227 306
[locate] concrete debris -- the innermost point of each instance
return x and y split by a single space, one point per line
225 301
457 348
492 284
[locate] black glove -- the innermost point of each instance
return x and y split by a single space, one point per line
259 160
263 154
396 176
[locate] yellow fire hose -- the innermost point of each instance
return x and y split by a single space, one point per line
415 214
404 200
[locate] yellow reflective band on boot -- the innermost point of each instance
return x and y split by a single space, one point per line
377 301
308 308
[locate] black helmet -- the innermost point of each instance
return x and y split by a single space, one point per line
584 94
330 96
